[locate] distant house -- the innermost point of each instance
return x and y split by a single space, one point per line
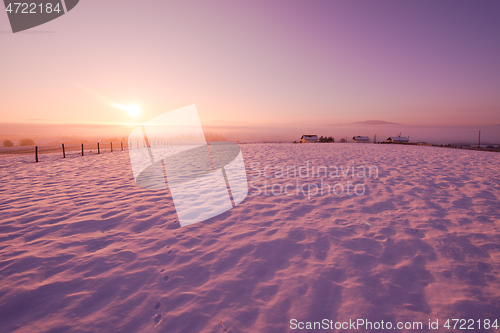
398 139
306 138
361 139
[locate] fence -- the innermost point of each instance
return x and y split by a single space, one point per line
65 149
83 148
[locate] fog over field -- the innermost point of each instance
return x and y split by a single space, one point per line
49 132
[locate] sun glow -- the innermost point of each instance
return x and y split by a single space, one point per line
133 110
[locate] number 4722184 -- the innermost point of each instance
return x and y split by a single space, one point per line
464 324
32 8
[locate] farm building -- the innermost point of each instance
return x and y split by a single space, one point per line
361 139
306 138
398 139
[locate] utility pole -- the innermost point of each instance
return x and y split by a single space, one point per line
479 141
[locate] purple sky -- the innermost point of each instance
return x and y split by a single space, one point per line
255 63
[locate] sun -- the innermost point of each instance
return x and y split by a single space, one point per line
133 110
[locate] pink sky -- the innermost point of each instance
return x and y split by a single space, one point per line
258 63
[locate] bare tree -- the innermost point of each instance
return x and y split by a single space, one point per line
26 142
8 143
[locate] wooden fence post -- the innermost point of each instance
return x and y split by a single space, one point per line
98 151
82 149
121 144
36 153
111 143
64 153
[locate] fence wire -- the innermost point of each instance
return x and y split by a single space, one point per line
64 149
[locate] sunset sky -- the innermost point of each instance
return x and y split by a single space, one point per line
257 63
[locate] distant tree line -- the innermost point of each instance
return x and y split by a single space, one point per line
8 143
23 142
326 139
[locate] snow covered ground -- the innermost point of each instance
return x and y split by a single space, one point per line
83 249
